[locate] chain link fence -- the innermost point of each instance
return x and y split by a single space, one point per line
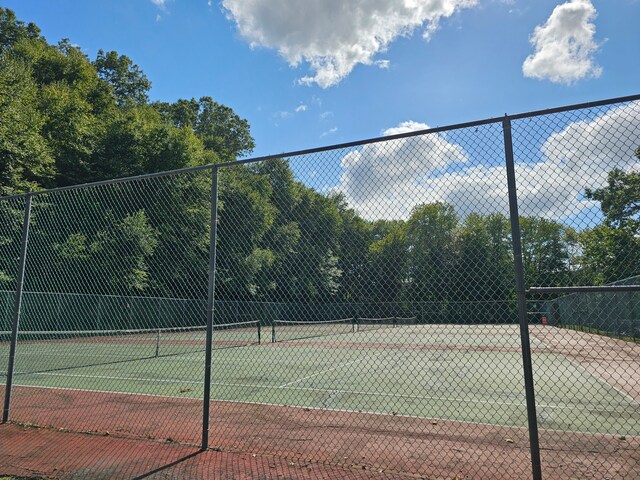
578 185
374 304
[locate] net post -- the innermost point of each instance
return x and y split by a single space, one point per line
158 343
259 333
206 407
532 418
273 331
16 309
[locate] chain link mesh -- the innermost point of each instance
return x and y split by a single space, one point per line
365 311
11 222
115 283
385 291
579 193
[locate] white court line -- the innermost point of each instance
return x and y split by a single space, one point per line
598 378
417 397
316 389
468 422
110 392
134 379
319 373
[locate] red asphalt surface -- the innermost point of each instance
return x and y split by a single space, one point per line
70 434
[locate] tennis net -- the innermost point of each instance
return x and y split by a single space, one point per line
42 351
288 331
365 324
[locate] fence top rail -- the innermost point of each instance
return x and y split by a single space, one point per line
297 153
455 126
585 289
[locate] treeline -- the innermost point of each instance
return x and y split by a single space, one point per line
280 241
66 119
314 247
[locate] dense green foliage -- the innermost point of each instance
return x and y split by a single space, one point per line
65 119
612 249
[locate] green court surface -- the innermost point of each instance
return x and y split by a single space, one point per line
464 373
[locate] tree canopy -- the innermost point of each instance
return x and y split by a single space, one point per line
65 119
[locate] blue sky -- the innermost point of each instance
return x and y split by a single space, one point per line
308 73
240 52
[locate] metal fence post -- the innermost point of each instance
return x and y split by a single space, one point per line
16 309
210 305
522 302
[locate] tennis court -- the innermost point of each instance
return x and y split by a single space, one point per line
469 373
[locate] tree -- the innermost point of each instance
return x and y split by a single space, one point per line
244 218
620 199
430 235
179 266
123 251
483 271
611 251
13 30
283 237
316 275
66 84
25 159
129 84
71 131
137 140
11 219
484 267
182 113
66 120
222 130
545 251
388 267
608 254
353 252
219 128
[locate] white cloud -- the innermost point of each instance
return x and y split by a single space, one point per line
288 114
405 127
329 132
564 45
387 179
384 64
333 36
161 4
